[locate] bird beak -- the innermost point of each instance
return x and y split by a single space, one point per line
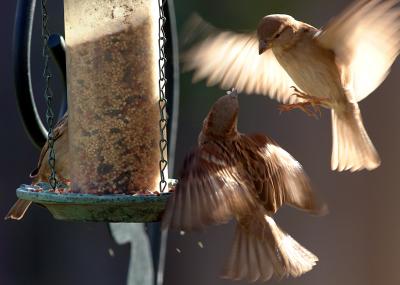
262 46
233 92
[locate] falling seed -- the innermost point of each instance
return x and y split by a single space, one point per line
201 245
111 252
182 233
178 250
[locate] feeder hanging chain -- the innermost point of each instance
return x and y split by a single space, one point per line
162 100
48 94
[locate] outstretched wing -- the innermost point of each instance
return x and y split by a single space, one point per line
366 40
232 60
209 191
285 181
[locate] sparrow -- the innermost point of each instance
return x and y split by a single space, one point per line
248 178
42 172
334 67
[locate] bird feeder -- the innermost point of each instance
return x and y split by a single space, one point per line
118 132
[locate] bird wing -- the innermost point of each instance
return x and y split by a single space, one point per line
232 60
209 191
58 131
366 40
285 181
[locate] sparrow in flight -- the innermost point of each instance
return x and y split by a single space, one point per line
334 67
246 177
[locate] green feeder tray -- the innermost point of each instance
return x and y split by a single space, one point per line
97 208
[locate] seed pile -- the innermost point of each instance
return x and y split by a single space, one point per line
114 112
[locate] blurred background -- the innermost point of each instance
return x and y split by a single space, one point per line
357 243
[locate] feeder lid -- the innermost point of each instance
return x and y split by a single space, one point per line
99 208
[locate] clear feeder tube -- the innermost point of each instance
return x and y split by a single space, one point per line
113 94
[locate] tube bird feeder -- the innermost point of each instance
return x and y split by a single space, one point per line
118 132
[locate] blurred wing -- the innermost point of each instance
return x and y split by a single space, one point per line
232 60
285 181
209 191
366 39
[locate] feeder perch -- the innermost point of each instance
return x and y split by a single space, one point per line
116 73
95 208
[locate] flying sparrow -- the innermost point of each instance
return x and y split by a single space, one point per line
246 177
335 67
42 172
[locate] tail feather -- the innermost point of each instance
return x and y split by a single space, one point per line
296 259
265 266
18 210
256 256
249 259
352 148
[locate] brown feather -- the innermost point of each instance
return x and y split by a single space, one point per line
18 210
246 177
42 172
284 180
61 149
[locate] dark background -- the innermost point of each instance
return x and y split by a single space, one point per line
357 243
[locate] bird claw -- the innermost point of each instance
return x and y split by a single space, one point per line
310 106
314 112
296 90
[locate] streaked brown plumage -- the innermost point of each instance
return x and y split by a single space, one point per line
246 177
42 172
335 67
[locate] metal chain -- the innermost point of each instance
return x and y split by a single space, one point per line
162 99
48 94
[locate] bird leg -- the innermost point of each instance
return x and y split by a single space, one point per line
309 101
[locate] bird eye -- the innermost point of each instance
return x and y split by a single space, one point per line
277 35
